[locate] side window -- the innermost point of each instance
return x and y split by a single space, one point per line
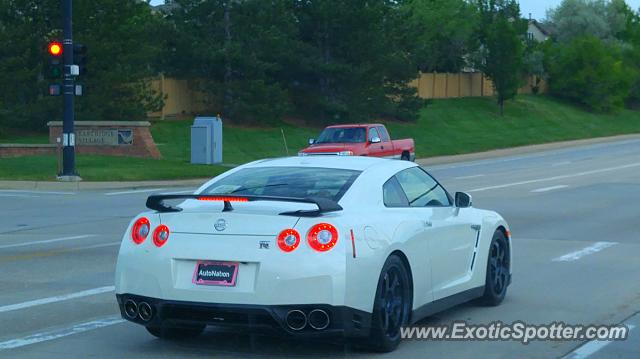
421 189
384 135
373 133
392 194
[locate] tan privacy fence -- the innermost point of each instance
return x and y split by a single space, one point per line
180 97
465 84
183 96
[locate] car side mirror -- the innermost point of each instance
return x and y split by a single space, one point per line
375 140
463 200
312 141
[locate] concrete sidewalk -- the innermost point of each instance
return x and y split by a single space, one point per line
78 186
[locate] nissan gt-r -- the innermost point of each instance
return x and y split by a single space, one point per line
352 247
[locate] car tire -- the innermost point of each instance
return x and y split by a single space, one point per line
405 156
392 306
498 269
175 333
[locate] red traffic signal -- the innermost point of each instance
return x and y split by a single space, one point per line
54 90
55 48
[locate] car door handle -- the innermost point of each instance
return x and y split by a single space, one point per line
428 224
475 227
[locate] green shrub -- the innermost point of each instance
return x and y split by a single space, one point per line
589 72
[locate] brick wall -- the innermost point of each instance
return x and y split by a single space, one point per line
16 150
142 146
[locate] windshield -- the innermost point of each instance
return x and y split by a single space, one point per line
342 135
296 182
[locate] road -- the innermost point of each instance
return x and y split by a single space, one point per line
574 216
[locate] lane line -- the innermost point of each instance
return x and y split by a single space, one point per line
110 244
133 191
468 177
34 255
563 163
180 192
579 174
60 333
35 192
58 298
547 189
46 241
591 347
18 195
594 248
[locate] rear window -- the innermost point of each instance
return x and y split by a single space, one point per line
342 135
296 182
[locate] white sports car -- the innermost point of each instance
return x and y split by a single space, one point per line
311 246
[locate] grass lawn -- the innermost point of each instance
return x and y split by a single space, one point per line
457 126
444 127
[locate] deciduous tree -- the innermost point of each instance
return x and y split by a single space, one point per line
501 35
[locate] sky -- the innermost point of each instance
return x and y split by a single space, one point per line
537 8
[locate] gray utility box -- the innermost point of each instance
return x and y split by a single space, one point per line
206 140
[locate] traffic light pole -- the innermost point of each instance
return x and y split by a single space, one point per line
68 92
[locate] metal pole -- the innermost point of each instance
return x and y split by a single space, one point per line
68 135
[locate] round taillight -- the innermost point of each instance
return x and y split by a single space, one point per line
322 237
140 230
161 235
288 240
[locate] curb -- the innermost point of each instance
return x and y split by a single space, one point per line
522 150
76 186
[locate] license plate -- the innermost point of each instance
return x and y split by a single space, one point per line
216 273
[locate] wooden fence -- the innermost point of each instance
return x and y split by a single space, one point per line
465 84
182 97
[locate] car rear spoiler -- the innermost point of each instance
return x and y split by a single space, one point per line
156 202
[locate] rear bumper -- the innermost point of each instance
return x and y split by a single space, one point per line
343 321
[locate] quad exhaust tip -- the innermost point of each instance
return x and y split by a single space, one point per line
131 309
318 319
296 320
144 311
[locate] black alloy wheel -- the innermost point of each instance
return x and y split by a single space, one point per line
498 266
392 305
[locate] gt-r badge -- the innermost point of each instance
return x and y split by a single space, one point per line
220 225
264 245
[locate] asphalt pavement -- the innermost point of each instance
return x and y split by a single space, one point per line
574 215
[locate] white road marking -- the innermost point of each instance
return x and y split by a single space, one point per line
574 256
17 195
133 191
468 177
547 189
36 192
102 245
180 192
58 298
591 347
563 163
55 334
579 174
46 241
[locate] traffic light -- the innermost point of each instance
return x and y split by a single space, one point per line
80 57
55 90
54 49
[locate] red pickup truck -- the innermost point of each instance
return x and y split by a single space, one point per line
360 140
